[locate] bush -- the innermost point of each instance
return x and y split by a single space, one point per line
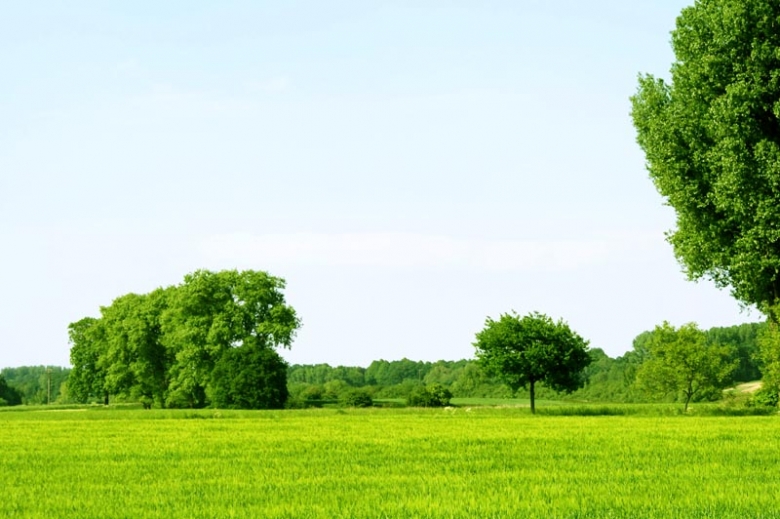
357 398
764 397
434 395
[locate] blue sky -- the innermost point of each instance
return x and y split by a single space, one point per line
409 168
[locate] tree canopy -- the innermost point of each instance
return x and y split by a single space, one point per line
8 395
163 347
680 360
711 136
525 350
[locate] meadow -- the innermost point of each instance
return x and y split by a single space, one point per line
485 462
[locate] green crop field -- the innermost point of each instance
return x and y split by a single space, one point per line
395 463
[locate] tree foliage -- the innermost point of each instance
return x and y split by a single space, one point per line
769 357
164 347
711 136
526 350
250 376
357 398
433 395
9 395
680 361
32 383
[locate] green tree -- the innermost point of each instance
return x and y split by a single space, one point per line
251 376
769 356
162 347
711 137
87 378
8 395
525 350
212 312
744 339
681 362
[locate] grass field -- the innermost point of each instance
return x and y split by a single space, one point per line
395 463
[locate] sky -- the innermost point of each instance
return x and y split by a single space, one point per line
410 168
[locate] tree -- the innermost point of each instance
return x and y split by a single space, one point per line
769 357
87 378
162 347
682 362
711 136
525 350
212 312
8 394
251 376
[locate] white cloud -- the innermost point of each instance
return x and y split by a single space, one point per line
405 250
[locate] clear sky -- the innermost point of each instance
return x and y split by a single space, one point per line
409 168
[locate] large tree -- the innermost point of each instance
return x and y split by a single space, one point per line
162 347
682 362
87 378
212 312
525 350
711 136
251 376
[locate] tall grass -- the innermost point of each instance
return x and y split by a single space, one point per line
397 463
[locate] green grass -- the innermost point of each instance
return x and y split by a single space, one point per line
518 402
431 463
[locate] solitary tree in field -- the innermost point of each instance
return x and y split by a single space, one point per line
680 361
525 350
711 137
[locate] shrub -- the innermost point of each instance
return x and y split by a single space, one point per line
434 395
357 398
764 397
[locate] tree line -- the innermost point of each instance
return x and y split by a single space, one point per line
646 373
605 379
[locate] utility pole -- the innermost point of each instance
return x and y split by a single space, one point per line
48 392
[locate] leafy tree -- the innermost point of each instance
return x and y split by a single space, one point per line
523 351
769 356
8 394
251 376
711 136
744 339
680 361
212 312
87 378
163 347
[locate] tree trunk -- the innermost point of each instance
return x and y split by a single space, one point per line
105 398
533 404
